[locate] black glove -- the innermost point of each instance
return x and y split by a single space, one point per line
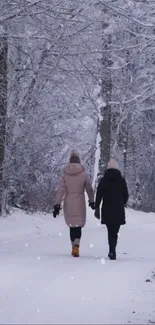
97 213
92 205
56 210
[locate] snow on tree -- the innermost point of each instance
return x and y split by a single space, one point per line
130 25
75 68
52 69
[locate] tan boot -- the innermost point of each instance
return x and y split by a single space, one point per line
75 251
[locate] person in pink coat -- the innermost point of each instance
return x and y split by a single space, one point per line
72 186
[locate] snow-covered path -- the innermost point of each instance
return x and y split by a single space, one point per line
41 283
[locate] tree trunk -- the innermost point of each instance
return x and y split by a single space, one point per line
3 107
105 124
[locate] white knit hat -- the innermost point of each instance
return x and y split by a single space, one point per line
112 164
74 153
74 157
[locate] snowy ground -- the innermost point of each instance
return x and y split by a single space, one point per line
41 283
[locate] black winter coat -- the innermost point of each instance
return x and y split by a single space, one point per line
113 192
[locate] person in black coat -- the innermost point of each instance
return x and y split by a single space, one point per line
113 192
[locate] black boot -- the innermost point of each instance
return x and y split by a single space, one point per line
112 256
112 251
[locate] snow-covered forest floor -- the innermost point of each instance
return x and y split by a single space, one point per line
41 283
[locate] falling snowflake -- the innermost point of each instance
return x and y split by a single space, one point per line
91 245
119 235
38 310
27 290
39 258
102 260
72 278
82 298
60 234
26 245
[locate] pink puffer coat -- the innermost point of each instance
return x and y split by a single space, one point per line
72 186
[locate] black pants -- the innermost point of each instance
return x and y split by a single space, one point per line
112 237
75 233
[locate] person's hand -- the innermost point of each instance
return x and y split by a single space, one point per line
97 213
56 210
92 205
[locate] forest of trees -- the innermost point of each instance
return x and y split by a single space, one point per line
69 70
129 116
